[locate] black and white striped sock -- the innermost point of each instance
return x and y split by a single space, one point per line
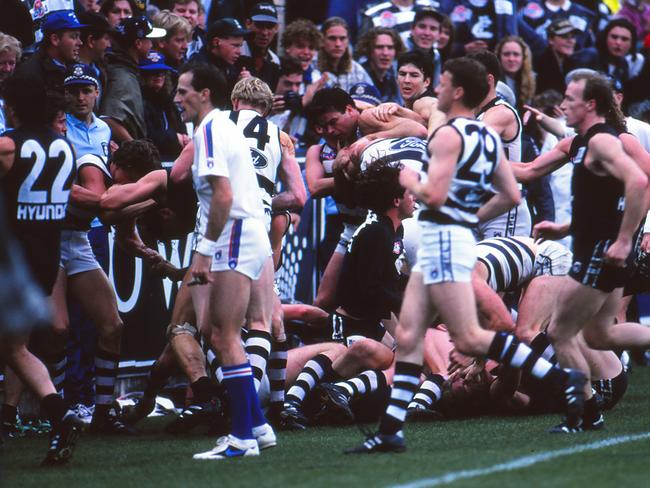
258 348
506 349
56 364
106 364
277 370
430 392
313 372
363 383
405 382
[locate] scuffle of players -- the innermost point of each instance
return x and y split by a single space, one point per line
443 296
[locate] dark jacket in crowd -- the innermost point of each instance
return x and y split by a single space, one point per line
123 98
550 75
47 71
163 123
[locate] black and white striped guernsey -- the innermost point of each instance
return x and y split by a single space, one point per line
471 185
410 151
510 263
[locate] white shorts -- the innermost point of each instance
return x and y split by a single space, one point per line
76 254
516 222
243 246
552 259
346 237
446 254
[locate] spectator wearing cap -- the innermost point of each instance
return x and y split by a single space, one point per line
189 10
414 74
174 45
425 33
164 125
116 11
87 133
479 24
223 50
263 27
377 50
302 39
60 48
10 53
553 63
540 14
122 107
395 14
335 58
96 40
614 54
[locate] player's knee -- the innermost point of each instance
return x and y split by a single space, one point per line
468 343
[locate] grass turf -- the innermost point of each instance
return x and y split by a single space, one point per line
313 458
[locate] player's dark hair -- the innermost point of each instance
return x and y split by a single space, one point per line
419 60
490 62
378 186
139 156
328 100
471 76
208 76
27 98
290 65
599 89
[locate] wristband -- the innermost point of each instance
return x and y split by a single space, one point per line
206 247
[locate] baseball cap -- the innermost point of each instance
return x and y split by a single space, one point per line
80 74
154 62
560 27
226 27
423 12
133 28
264 12
364 92
95 22
60 20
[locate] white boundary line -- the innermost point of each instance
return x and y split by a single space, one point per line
522 462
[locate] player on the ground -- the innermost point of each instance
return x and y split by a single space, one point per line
467 162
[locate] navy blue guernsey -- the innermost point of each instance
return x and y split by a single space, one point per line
598 201
37 187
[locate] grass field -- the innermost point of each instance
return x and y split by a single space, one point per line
313 458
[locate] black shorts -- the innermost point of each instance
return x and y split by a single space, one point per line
610 391
638 280
43 255
590 268
345 329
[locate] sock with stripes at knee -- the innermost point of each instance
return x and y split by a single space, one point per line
430 392
405 383
277 371
258 348
106 364
363 383
314 371
506 349
56 364
238 381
